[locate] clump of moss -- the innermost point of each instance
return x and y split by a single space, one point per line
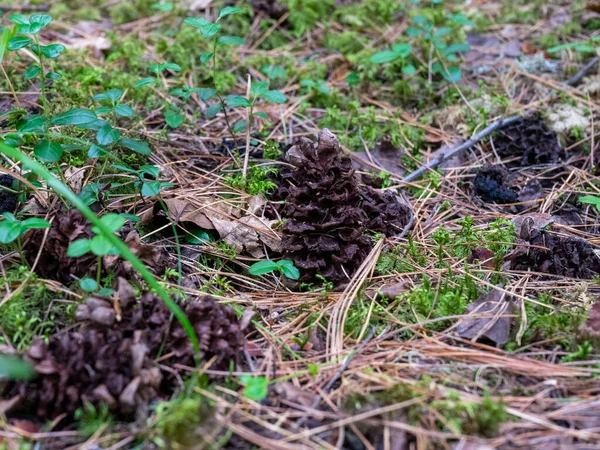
428 303
558 322
258 180
401 259
181 420
30 312
452 413
463 417
498 238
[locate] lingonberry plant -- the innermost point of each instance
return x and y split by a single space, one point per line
260 90
27 30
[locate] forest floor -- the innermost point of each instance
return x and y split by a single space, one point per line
342 224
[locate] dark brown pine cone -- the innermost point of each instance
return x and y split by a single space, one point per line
68 226
110 359
328 212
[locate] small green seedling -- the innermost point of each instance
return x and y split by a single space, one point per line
591 200
284 266
28 29
99 245
255 388
149 187
12 229
116 106
398 52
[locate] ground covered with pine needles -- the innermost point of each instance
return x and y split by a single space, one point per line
367 225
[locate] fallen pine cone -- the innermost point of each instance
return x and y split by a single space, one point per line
69 226
110 359
329 212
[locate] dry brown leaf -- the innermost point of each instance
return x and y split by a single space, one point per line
248 234
184 211
494 326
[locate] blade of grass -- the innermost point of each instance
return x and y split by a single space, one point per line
124 251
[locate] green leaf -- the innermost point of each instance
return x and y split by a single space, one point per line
413 32
443 31
114 222
207 28
9 231
100 97
95 125
100 246
35 223
31 123
385 56
239 126
130 217
107 135
15 368
256 388
259 88
289 269
452 74
197 236
32 72
95 151
10 217
160 68
213 110
274 97
231 40
228 10
263 267
238 100
114 94
196 22
19 19
205 93
152 188
48 151
123 110
274 72
174 118
39 21
262 115
18 42
88 284
145 82
76 116
409 69
137 146
153 171
458 48
402 49
79 248
591 200
103 110
53 50
206 57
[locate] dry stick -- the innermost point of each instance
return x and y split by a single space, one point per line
464 146
583 72
338 374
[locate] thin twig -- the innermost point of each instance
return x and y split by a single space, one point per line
464 146
583 72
